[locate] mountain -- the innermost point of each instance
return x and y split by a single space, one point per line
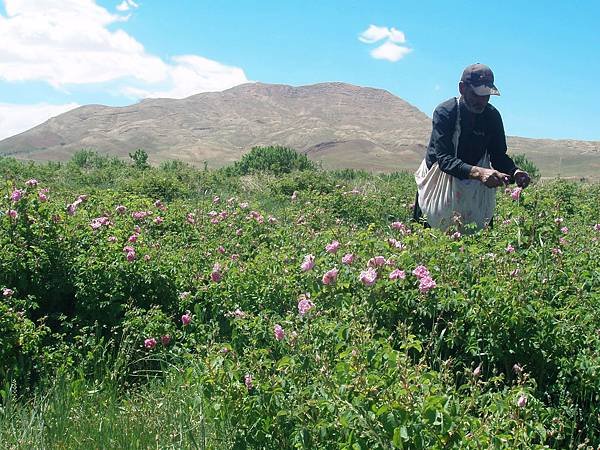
340 124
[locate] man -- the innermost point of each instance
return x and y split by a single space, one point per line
467 136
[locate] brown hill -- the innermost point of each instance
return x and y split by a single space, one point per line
340 124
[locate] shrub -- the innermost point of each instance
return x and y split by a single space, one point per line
275 160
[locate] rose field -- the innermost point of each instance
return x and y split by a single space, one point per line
272 304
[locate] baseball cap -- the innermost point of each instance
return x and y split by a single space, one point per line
481 79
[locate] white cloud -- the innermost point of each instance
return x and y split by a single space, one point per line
15 119
374 34
192 74
126 5
389 50
70 43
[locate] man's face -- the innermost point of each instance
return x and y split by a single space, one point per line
476 103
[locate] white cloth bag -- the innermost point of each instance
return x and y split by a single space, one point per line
446 200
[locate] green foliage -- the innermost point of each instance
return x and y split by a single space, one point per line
275 160
140 159
527 165
100 270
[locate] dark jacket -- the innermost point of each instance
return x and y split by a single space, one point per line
479 132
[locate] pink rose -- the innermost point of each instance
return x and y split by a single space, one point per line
330 276
332 247
304 304
376 261
186 318
348 259
426 284
397 275
368 277
150 343
420 272
308 263
248 381
279 333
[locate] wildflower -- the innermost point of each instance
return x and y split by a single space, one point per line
397 274
516 193
564 230
16 195
376 261
238 314
348 259
308 263
401 227
216 274
522 401
12 214
304 304
7 293
278 331
248 381
186 318
166 340
420 272
510 249
332 247
330 276
150 343
426 284
368 277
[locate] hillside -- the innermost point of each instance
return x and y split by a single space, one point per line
340 124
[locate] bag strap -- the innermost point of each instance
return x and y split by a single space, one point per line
456 135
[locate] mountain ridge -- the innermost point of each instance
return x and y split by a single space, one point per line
340 124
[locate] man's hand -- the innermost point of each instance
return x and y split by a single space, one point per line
522 178
490 177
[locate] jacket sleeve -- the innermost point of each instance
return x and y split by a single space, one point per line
497 148
444 124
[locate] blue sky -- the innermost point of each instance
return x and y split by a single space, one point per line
56 55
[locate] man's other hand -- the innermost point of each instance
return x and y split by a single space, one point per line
522 178
489 177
